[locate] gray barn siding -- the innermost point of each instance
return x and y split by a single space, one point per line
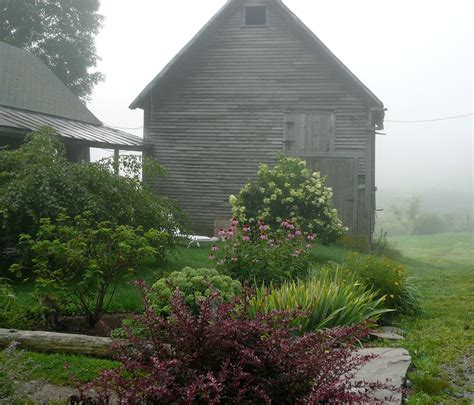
221 112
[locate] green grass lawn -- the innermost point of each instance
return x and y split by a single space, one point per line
439 340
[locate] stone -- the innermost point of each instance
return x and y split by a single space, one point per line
390 364
386 333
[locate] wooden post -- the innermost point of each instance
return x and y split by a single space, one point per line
117 161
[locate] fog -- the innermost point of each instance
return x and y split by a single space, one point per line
416 56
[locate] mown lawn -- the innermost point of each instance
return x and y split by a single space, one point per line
440 266
441 340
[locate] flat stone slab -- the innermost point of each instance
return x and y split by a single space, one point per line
391 364
388 333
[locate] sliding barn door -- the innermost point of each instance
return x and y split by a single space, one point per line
311 136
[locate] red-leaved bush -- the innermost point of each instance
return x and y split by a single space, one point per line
221 356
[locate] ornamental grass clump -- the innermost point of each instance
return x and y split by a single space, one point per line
222 357
258 254
388 278
325 302
289 191
195 285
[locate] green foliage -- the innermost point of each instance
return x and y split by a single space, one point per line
61 33
382 246
8 305
257 255
388 278
79 262
36 181
331 300
289 191
195 285
15 371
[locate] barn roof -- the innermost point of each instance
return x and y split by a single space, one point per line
31 96
28 84
99 136
299 25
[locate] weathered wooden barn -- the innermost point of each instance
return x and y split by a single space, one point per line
255 81
31 97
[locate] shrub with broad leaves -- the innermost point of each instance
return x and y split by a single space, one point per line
327 301
195 285
289 191
37 181
221 356
388 278
81 262
258 254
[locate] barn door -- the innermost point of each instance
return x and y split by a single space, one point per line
309 132
340 175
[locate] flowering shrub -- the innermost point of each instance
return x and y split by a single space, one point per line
289 191
388 278
195 285
260 255
326 302
222 356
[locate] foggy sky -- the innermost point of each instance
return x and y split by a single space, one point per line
416 56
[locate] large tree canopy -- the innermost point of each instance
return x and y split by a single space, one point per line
60 32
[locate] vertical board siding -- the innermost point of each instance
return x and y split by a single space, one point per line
221 111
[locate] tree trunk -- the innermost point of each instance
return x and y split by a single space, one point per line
57 342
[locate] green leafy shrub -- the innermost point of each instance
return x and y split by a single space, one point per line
259 255
37 181
289 191
328 301
381 246
388 278
80 263
195 285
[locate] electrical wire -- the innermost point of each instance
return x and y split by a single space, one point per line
432 120
392 121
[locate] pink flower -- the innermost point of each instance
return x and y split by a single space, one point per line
310 237
309 246
284 224
234 222
263 228
291 236
246 228
211 257
230 232
214 248
246 238
221 233
290 226
297 252
298 233
235 259
221 262
263 236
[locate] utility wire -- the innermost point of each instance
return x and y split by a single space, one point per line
394 121
435 119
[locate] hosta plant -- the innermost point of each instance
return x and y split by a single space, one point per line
289 191
256 254
326 302
222 357
195 285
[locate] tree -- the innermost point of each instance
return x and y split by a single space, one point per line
61 33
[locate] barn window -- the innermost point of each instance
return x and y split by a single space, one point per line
255 16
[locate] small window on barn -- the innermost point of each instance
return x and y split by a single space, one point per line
255 16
